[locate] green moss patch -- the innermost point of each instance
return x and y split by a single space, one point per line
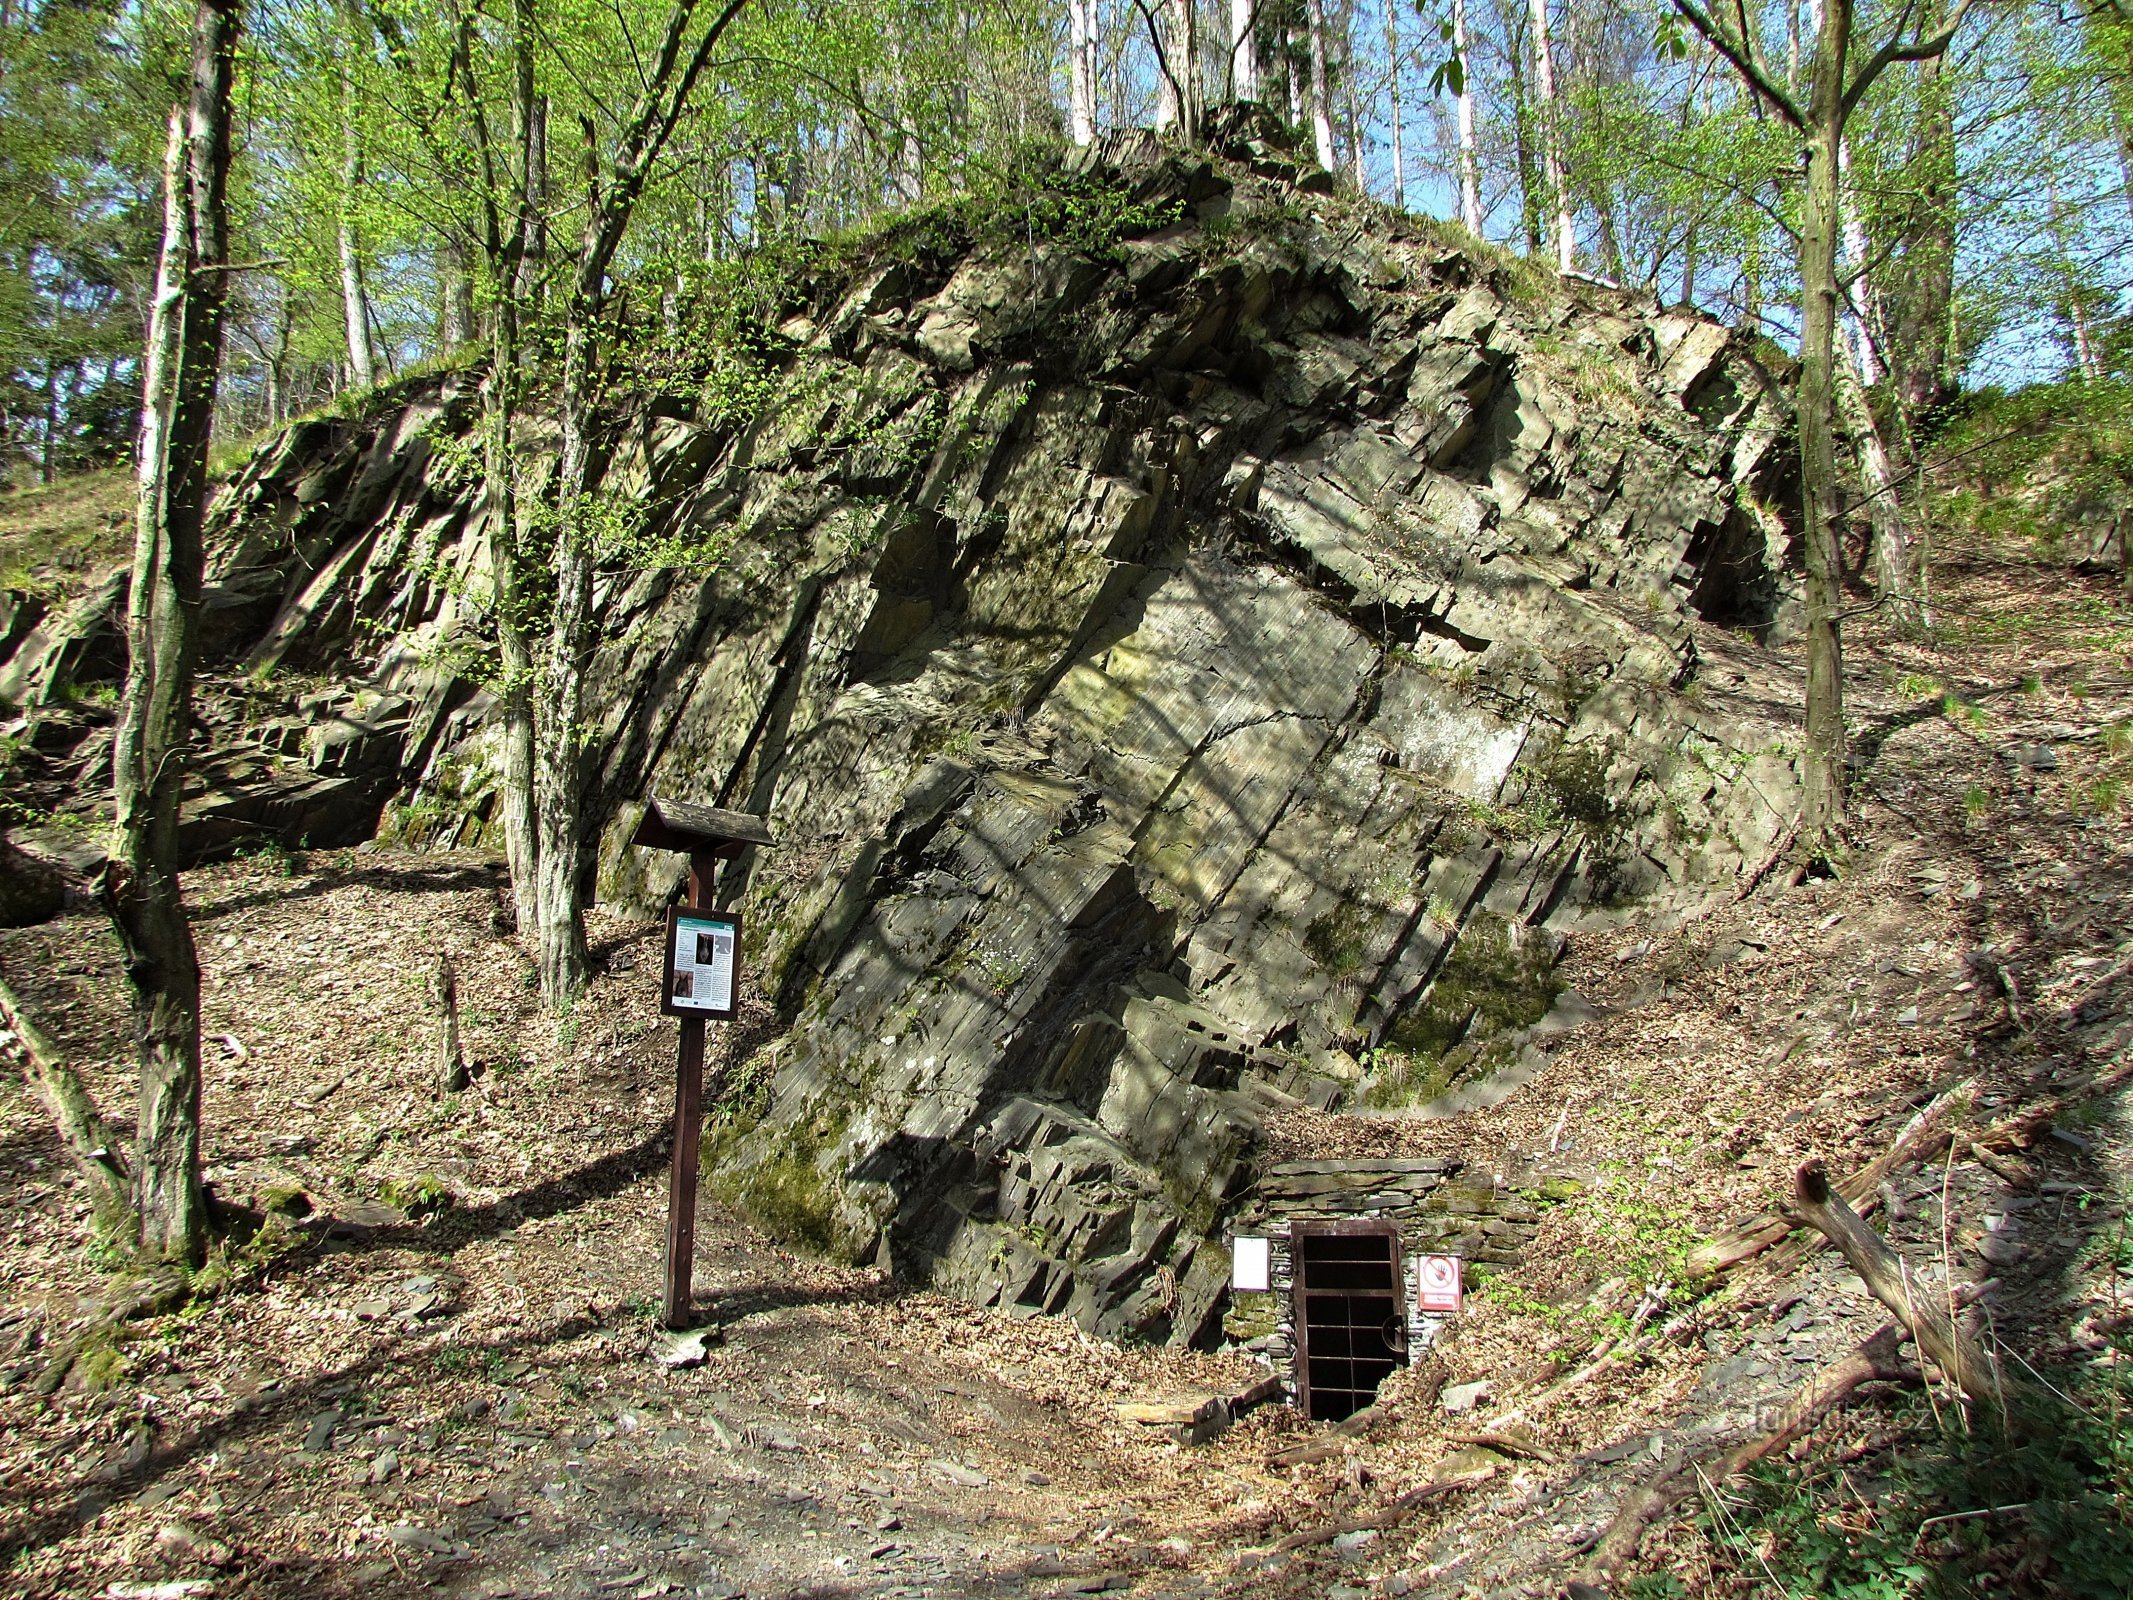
1496 980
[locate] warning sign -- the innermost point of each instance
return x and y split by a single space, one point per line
1437 1285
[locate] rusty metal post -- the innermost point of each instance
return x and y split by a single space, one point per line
682 1174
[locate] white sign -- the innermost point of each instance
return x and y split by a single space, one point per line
1437 1285
1251 1265
702 961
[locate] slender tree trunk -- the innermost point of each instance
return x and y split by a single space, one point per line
455 320
140 884
560 746
48 464
1355 118
1178 94
1392 78
1823 803
1529 195
1243 48
1469 162
1551 130
1292 90
355 295
1081 68
1888 540
1918 337
1321 99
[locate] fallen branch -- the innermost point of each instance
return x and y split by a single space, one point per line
1923 1135
67 1101
1397 1512
1875 1358
1888 1277
1520 1444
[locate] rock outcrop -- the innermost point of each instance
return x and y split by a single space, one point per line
1200 651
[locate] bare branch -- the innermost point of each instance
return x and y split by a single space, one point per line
1742 57
1900 49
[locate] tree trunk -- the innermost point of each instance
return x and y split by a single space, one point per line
1551 131
1081 68
1822 812
140 885
48 463
1243 47
560 749
1178 94
1925 285
1888 542
450 1061
355 295
559 701
455 310
1529 196
1321 100
1469 164
1392 76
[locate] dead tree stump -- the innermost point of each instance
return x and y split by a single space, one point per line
444 1000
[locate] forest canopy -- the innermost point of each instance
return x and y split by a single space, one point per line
1986 192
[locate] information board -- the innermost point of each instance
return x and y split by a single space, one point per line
703 964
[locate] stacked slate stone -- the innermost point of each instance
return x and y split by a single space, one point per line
1432 1208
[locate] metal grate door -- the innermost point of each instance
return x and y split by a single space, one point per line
1351 1329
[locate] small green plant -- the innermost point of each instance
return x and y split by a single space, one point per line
1976 802
417 1196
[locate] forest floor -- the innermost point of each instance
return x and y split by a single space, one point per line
443 1378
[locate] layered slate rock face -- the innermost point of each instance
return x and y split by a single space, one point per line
1190 674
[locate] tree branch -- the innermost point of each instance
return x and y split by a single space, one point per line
1716 35
1888 1277
1900 49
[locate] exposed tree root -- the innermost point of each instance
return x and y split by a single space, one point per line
1875 1358
72 1109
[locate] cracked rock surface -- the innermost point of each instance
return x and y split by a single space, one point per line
1189 678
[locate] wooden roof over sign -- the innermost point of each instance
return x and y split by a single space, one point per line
684 825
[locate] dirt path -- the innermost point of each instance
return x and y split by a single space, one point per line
470 1400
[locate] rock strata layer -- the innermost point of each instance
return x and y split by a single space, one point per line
1194 668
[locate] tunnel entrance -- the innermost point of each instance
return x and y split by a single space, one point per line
1351 1327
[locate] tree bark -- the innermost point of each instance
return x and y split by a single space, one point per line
355 294
1888 540
1551 131
1823 803
1243 47
67 1101
1321 99
1889 1280
560 743
1924 292
140 885
1392 78
1469 163
1081 68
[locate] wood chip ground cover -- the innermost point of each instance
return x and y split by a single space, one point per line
466 1401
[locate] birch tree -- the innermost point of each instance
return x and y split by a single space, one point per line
140 881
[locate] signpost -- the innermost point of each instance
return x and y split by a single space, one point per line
700 981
